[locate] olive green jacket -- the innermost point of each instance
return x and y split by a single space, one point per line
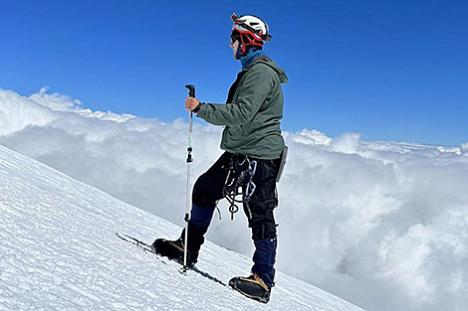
253 111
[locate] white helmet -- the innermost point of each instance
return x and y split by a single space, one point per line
250 30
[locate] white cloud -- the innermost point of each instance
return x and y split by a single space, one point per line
60 102
311 137
18 112
382 224
464 147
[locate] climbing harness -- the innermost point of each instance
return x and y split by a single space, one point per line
239 181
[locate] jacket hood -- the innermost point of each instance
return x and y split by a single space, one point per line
267 61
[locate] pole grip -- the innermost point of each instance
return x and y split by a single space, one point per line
191 89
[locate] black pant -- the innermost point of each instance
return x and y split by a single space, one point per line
208 189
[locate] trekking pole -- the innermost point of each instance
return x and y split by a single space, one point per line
191 89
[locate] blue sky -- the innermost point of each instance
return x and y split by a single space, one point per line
390 70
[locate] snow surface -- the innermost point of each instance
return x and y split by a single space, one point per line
59 251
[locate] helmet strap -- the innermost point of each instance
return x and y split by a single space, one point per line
245 43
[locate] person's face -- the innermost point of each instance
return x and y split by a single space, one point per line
234 45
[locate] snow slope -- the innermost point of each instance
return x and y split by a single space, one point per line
59 251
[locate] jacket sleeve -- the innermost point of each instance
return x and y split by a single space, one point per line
254 90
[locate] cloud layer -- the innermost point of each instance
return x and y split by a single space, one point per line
382 224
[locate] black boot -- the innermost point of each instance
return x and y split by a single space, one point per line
174 249
252 287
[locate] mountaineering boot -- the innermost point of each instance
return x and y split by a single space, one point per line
174 249
252 287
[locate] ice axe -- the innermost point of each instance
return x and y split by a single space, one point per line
191 90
